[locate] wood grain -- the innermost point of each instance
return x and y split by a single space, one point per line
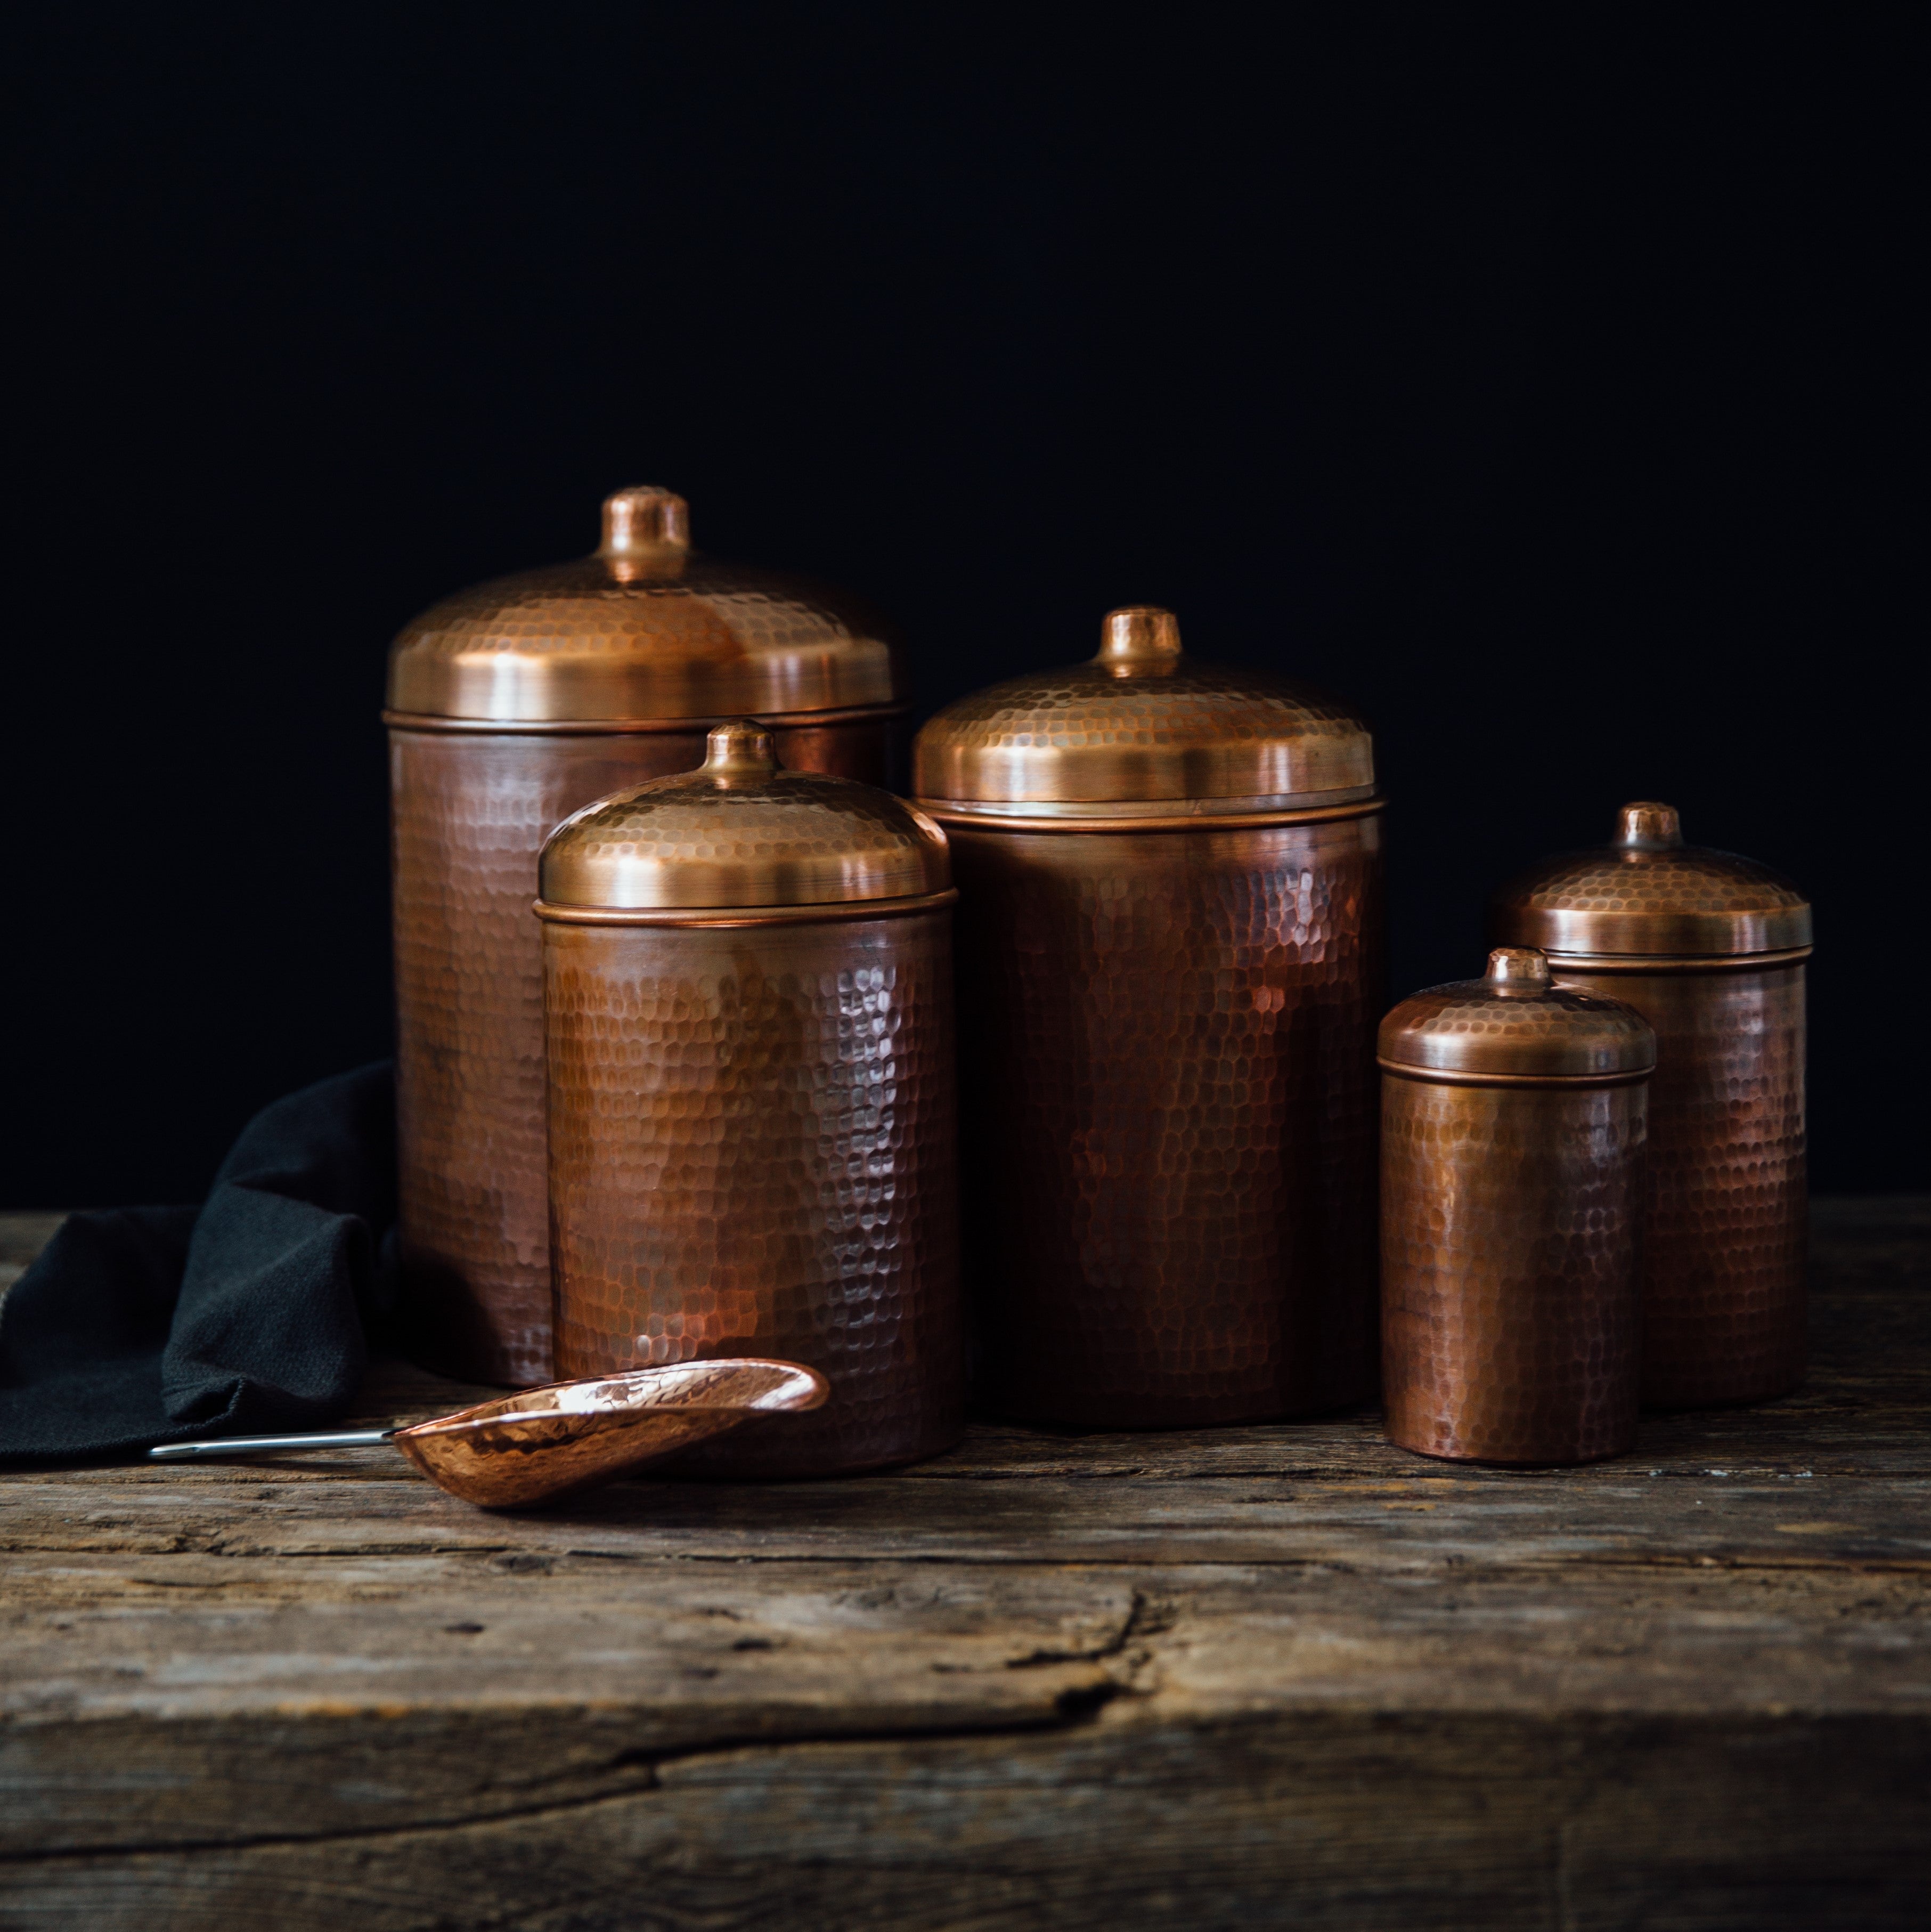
1257 1676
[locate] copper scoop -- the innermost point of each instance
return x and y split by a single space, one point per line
527 1447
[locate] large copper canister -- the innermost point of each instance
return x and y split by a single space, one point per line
747 993
1710 948
510 706
1171 964
1513 1133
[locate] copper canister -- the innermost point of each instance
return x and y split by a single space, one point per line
1513 1116
1710 948
1171 961
747 993
510 706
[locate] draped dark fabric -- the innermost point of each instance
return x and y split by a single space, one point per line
250 1313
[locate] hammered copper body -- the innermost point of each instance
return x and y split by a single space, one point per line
1167 998
1710 948
511 706
1512 1136
752 1131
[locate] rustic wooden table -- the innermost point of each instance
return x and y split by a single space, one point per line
1245 1677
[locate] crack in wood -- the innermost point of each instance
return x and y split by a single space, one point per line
1144 1618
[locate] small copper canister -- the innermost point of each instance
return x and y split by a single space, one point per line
748 995
1513 1134
1170 962
510 706
1710 948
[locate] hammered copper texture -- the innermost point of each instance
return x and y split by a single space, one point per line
1510 1231
753 1150
1726 1254
471 811
1167 1053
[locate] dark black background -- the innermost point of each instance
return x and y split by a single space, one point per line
1540 380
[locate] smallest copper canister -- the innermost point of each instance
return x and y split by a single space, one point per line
748 1007
1513 1126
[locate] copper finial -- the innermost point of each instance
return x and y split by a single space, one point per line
1518 972
739 751
1139 637
644 520
1647 827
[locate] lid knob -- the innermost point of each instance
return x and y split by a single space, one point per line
1647 827
1140 638
1519 972
645 521
738 753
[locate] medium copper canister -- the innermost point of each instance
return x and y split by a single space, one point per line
1710 948
747 994
1513 1123
1171 961
510 706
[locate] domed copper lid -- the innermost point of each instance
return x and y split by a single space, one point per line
645 629
1516 1023
1142 728
740 831
1650 894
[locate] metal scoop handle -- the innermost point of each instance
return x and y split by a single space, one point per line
224 1446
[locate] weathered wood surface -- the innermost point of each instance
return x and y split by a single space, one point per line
1244 1677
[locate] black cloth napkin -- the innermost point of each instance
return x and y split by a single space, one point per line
245 1316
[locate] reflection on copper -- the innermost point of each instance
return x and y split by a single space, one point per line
541 1444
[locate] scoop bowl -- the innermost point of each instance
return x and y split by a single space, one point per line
541 1443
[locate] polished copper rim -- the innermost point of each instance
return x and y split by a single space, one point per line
1077 808
784 721
775 915
1741 934
1677 962
1432 1076
950 812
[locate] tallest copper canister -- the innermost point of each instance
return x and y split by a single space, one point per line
510 706
1170 968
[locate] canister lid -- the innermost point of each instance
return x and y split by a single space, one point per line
1144 724
1649 893
645 629
741 831
1517 1023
